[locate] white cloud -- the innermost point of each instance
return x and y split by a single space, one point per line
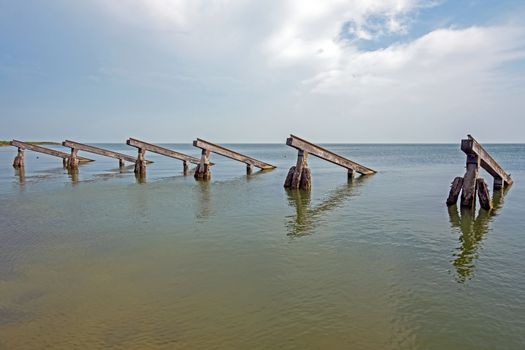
307 53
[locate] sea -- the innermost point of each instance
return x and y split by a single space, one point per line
101 259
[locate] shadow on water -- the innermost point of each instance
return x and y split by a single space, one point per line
473 230
306 218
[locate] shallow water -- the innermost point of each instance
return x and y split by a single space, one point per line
102 260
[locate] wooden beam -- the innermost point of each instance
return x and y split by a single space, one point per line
35 148
205 145
472 147
161 150
323 153
98 150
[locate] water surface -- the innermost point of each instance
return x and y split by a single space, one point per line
102 260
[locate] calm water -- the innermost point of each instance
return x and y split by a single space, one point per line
105 261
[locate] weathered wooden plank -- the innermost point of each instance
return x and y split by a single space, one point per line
97 150
162 151
327 155
455 190
471 146
48 151
231 154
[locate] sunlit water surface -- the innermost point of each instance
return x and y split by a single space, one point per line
102 260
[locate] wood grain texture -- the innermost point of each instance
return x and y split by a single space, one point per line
483 194
455 190
161 150
225 152
468 193
323 153
44 150
97 150
472 147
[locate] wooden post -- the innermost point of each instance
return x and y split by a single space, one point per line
468 195
64 163
140 163
121 163
19 159
203 169
483 194
498 183
299 176
72 162
185 168
455 189
289 177
350 174
249 169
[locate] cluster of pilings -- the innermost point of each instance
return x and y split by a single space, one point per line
471 184
300 177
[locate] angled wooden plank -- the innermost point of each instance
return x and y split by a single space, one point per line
225 152
48 151
97 150
323 153
162 150
472 147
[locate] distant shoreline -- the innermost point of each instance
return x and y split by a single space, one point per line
6 143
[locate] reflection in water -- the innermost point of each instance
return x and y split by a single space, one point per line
73 175
205 208
21 174
140 178
472 231
307 218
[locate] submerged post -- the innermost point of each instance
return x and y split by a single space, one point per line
140 163
19 159
468 194
72 162
299 176
203 168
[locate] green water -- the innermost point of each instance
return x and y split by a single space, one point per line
104 261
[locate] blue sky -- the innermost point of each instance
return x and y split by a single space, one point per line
239 71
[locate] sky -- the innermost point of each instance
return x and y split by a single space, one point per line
331 71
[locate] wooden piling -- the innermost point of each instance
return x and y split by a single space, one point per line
300 175
498 183
483 194
140 163
19 159
203 171
477 157
455 190
72 162
468 194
